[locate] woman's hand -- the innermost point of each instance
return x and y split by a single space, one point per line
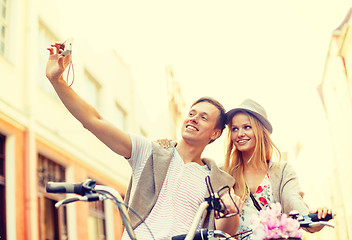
57 63
230 225
322 212
165 143
229 200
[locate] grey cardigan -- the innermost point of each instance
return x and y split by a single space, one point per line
152 179
286 188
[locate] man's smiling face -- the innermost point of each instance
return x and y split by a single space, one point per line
199 125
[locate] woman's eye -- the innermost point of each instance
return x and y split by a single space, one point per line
204 118
234 129
248 127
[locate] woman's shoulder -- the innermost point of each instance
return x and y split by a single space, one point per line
280 166
276 164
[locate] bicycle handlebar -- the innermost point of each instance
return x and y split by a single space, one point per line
314 217
305 221
89 191
311 220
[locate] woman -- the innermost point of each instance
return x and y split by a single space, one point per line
260 181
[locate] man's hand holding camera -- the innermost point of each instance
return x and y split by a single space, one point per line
57 62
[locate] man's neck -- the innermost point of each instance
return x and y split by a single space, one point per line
190 153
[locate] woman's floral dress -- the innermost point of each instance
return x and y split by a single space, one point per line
264 197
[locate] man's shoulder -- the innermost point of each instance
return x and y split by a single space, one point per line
162 154
140 142
217 174
157 146
137 137
141 147
213 164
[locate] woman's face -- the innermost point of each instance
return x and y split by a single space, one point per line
242 133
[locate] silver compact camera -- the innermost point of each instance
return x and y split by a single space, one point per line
66 47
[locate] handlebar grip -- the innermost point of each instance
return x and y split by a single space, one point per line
64 187
314 217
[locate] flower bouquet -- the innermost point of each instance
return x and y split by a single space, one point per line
270 223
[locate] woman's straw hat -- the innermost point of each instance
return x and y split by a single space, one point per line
253 108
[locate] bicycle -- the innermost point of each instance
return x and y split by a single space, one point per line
89 191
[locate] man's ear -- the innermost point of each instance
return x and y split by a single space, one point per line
216 134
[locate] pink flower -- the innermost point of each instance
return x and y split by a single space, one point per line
271 224
264 215
298 234
276 209
273 234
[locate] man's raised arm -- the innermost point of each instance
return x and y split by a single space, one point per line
114 138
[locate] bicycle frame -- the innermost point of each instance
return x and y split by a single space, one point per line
198 220
213 202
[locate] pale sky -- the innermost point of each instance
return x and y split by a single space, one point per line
273 51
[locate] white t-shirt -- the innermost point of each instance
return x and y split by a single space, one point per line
182 192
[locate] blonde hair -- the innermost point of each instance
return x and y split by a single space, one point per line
262 155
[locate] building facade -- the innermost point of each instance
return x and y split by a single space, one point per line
40 141
336 96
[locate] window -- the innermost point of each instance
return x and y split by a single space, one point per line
3 26
96 221
45 38
91 90
2 188
120 117
53 222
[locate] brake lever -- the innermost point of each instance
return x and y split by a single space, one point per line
321 223
87 198
67 201
216 203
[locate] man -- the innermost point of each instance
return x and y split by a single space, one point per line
167 185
